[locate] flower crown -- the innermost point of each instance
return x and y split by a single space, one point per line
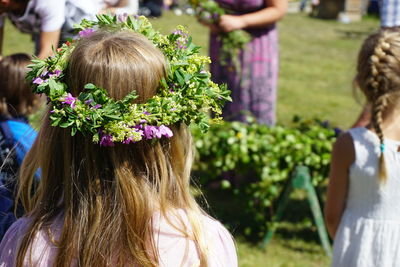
185 95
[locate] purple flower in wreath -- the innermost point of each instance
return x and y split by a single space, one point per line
146 113
86 32
165 131
140 131
177 32
122 17
97 106
106 140
150 132
181 45
70 100
56 73
180 32
38 81
44 74
128 141
87 102
157 132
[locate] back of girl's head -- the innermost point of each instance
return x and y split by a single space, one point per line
120 62
378 77
16 97
108 195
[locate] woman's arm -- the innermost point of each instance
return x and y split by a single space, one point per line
274 11
52 17
343 156
48 42
123 6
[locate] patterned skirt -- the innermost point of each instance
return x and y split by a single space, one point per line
254 87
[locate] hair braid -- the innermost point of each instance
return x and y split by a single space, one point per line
378 77
380 92
377 110
378 61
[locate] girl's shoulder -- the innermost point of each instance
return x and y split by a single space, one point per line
217 230
343 148
42 250
180 217
364 135
359 132
173 243
222 245
11 240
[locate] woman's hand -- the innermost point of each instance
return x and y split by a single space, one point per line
213 28
230 23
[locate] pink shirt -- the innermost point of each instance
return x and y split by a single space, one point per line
174 249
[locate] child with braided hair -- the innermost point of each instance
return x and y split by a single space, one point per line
363 203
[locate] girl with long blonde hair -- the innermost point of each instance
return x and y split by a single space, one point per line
128 204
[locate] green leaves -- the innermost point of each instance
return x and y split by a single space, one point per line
186 95
209 12
263 157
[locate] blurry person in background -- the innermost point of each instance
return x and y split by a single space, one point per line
254 88
120 7
50 22
390 14
153 8
314 5
17 102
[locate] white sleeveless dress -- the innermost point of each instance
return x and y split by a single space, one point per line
369 232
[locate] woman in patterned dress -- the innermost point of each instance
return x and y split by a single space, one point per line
254 87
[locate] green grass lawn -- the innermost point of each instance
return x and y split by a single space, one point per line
318 60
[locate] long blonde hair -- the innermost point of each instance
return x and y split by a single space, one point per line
378 77
107 197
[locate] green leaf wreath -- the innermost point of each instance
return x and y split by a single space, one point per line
187 94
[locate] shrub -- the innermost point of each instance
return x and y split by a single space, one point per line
242 168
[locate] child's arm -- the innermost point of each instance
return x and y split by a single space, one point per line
343 156
48 41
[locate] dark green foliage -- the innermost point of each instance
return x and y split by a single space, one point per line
243 167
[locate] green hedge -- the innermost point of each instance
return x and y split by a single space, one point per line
242 168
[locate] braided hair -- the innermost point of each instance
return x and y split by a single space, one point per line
378 77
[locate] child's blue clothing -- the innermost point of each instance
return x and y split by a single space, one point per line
16 138
369 232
